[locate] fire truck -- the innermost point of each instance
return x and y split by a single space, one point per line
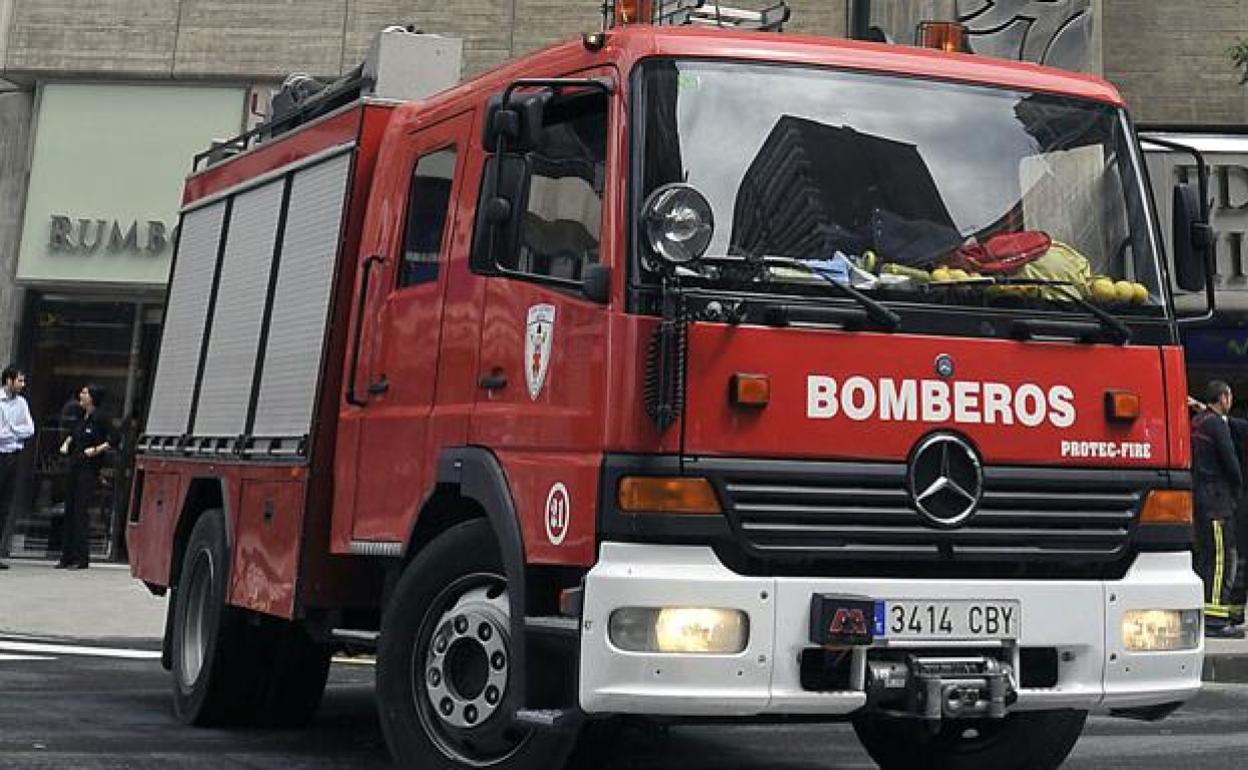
684 371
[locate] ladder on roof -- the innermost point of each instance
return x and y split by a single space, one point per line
711 13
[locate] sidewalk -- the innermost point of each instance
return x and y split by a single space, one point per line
104 602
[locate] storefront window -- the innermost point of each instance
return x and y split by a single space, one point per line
68 343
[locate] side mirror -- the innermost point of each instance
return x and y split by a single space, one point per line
518 124
596 283
504 195
1192 238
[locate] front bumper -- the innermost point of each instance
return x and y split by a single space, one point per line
1081 619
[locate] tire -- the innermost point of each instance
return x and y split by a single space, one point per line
444 667
1039 740
230 666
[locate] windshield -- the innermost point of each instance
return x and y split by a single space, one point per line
907 189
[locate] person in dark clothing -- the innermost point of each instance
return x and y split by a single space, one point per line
87 446
1218 479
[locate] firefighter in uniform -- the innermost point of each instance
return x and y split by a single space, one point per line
1218 479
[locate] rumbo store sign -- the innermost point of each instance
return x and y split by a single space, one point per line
87 235
115 227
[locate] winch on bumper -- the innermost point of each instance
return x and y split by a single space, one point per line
1067 650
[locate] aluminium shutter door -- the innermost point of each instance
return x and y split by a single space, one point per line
185 318
292 359
234 339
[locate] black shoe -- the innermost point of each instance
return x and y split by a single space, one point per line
1224 632
3 566
73 566
61 565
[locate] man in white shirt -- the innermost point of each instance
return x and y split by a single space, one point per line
15 428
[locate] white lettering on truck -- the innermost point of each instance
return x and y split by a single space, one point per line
967 402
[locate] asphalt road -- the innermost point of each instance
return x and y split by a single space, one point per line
59 709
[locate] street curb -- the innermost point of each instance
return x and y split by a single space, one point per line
1225 669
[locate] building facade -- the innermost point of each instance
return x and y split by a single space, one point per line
103 103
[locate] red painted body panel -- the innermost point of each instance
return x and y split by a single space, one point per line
790 356
259 550
150 537
267 545
1175 370
394 462
533 478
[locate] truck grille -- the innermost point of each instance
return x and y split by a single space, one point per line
841 512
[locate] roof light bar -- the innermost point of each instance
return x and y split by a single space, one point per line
707 13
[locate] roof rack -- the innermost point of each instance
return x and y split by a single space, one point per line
708 13
402 63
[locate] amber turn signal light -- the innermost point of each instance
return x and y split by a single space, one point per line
947 36
749 389
667 494
1167 506
632 11
1122 405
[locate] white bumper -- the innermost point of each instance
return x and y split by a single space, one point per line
1080 618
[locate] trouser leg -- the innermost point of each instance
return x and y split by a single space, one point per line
76 548
8 475
68 534
85 488
1221 542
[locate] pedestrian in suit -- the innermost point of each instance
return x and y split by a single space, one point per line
87 446
16 428
1218 480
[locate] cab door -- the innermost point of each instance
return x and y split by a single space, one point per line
543 362
399 377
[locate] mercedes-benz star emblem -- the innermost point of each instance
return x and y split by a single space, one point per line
944 365
946 480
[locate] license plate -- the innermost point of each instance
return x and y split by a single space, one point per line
957 619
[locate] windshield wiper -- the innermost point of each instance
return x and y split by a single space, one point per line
1028 328
873 309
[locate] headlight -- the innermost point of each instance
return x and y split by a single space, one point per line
678 223
680 629
1160 630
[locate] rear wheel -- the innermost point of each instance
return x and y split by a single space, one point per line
1039 740
445 671
231 666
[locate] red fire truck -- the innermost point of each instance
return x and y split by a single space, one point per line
683 373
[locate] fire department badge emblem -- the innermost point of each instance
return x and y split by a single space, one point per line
539 332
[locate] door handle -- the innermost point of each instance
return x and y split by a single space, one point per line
495 380
379 387
353 399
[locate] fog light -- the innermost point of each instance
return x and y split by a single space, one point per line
680 629
1159 630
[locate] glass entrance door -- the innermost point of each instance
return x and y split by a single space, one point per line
68 343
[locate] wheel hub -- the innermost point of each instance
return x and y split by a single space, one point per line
468 661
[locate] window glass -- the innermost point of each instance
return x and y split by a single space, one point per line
909 189
559 232
428 201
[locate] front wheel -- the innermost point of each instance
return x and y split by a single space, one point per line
1039 740
445 671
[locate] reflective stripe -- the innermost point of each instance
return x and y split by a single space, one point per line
1214 608
1217 611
